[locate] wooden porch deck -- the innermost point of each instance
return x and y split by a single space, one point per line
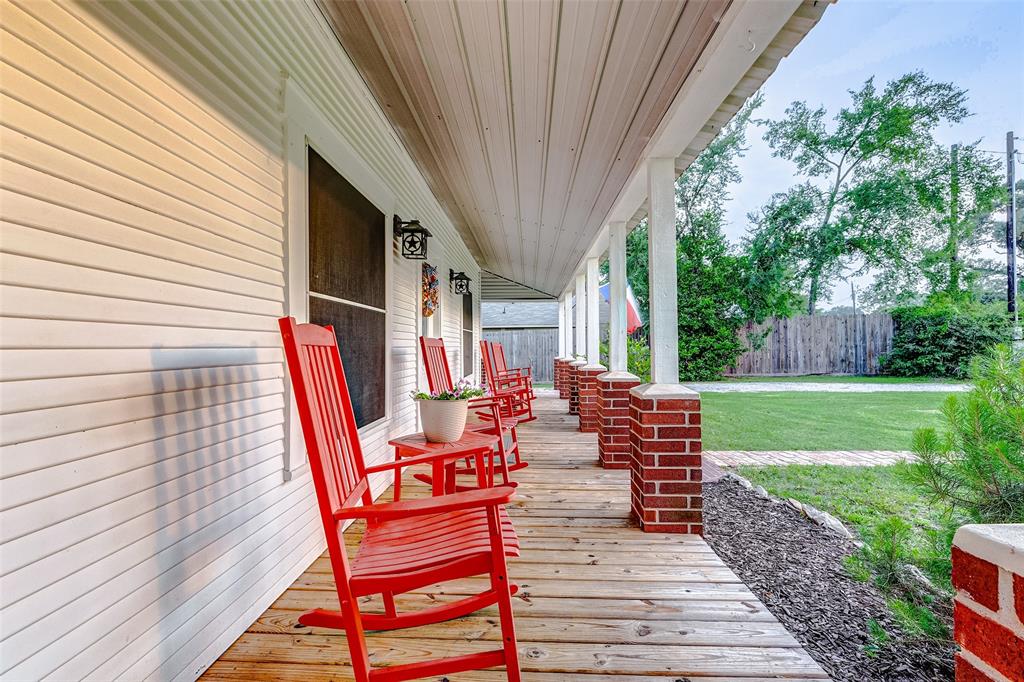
599 600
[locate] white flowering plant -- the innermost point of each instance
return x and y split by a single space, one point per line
464 390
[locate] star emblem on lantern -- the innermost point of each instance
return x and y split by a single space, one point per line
413 238
460 282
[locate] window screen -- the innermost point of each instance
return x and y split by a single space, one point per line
347 282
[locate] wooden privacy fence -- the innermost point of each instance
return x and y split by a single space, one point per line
817 344
533 348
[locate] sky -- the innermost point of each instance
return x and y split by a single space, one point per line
976 44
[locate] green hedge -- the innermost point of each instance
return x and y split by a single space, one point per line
940 338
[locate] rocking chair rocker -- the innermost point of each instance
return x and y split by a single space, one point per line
407 544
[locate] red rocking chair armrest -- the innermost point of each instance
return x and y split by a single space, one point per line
512 394
427 458
493 405
511 383
501 398
515 372
472 499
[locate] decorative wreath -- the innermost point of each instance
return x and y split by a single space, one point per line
430 287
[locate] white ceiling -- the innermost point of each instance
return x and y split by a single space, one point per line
527 117
497 288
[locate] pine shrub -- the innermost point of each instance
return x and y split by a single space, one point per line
976 467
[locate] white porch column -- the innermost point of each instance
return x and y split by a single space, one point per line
580 347
561 327
587 377
593 315
665 463
567 323
661 245
617 296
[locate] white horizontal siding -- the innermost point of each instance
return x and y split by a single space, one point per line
145 520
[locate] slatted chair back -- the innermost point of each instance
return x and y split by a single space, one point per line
329 429
435 362
490 372
499 357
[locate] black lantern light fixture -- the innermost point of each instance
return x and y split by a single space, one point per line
460 282
413 237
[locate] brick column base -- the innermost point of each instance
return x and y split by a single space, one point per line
988 613
573 384
561 370
588 396
665 458
563 387
613 418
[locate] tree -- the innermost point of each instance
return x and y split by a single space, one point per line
715 292
859 196
959 195
703 190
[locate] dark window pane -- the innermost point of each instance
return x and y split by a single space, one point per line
467 311
467 353
361 343
346 238
467 334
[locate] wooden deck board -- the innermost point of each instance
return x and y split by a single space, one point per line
599 600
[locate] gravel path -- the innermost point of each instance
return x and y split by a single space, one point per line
822 387
795 568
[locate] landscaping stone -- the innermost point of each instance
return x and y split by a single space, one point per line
819 517
797 571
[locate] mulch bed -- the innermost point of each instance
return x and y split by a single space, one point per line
795 568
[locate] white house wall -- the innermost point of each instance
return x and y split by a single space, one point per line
145 519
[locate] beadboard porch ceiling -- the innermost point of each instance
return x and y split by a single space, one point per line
528 119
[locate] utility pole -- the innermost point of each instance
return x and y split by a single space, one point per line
1011 238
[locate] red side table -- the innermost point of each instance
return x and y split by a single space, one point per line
473 444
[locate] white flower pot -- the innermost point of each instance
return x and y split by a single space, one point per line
443 421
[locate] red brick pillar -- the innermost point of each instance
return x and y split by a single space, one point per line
563 384
588 396
572 379
665 458
613 418
988 613
561 368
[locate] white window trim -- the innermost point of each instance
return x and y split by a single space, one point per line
306 126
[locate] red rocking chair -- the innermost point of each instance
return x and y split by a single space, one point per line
408 544
495 410
515 385
502 370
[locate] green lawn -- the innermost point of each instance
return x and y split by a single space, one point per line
862 497
846 379
816 421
